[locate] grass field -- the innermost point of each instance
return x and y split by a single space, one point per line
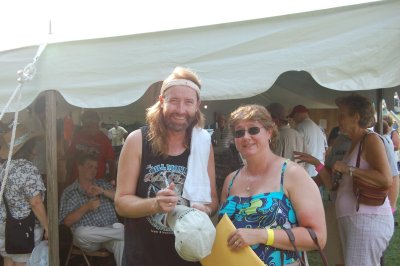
392 254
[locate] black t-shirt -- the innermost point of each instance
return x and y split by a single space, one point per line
148 241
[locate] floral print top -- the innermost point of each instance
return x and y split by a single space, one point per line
264 210
23 183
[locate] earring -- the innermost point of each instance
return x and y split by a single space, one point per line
269 140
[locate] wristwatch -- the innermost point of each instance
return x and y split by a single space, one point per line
351 170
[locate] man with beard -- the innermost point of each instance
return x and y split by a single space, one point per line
155 172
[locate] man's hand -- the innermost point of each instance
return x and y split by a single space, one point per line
166 199
93 204
94 191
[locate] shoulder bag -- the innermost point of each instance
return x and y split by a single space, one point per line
19 233
365 192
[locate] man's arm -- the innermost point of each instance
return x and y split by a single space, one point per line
77 214
127 204
105 189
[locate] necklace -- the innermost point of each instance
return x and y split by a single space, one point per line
249 181
248 188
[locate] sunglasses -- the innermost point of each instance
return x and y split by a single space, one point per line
241 132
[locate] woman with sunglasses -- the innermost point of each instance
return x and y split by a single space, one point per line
269 193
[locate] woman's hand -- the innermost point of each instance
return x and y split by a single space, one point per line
243 237
301 157
166 199
341 167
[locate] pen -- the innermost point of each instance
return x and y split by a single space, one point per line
166 181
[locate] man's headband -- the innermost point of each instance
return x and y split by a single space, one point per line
179 82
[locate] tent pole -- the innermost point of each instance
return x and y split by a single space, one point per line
52 180
379 109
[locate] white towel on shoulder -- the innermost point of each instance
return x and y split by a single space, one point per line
197 184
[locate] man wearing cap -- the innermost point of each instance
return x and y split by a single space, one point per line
170 162
92 141
289 140
314 138
86 206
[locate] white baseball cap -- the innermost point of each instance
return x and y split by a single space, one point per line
194 232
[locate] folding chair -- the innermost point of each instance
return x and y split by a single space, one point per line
75 250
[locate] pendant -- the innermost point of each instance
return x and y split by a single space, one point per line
248 188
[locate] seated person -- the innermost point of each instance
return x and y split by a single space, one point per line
87 208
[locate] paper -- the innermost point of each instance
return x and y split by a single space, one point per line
222 255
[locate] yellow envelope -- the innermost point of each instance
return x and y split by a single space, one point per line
222 255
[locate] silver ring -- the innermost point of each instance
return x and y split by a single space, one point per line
237 243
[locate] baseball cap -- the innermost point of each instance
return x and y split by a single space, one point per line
194 232
277 111
91 116
298 109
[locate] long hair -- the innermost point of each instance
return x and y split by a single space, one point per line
158 133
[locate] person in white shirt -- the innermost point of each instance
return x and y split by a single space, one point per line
289 140
118 135
314 138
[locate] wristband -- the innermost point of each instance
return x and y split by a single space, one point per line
319 167
271 237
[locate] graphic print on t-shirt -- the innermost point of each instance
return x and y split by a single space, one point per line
160 176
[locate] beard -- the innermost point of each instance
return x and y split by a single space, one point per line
171 124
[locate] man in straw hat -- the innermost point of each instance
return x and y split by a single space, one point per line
24 190
159 168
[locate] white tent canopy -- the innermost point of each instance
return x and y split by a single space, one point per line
344 48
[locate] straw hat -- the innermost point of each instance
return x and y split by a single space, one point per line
22 135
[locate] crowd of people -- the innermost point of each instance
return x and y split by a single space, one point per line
285 180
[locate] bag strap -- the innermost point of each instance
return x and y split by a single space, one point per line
320 251
314 237
6 205
292 241
362 142
360 149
